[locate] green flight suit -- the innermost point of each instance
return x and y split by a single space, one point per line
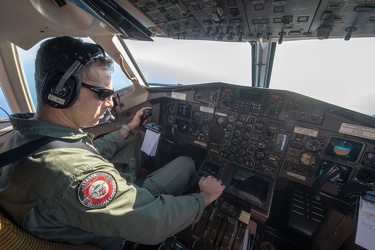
53 194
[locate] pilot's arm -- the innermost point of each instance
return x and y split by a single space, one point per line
111 143
107 205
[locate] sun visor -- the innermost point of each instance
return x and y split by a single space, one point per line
117 17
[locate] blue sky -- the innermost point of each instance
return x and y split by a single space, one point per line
4 105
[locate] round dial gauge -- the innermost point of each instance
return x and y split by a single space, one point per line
227 135
231 118
308 158
170 119
220 120
259 125
194 126
239 124
313 144
229 127
369 159
171 109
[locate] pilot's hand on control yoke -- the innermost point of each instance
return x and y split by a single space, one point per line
211 188
136 122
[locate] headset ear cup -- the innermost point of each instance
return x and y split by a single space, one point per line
68 94
74 83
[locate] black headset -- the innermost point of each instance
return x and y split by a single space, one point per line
61 87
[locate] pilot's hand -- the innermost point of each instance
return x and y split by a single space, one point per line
136 122
211 188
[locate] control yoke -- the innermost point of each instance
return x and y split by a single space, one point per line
332 173
147 113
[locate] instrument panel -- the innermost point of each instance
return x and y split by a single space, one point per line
187 122
263 134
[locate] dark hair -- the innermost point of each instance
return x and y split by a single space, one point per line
59 52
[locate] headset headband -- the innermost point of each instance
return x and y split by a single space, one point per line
85 53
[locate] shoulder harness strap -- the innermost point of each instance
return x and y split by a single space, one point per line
25 150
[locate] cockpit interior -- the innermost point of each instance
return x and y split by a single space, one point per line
295 168
286 158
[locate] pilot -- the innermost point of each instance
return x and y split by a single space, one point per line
68 190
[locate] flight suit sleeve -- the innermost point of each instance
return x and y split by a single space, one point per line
133 213
109 144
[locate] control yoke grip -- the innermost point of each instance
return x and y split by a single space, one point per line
323 178
146 114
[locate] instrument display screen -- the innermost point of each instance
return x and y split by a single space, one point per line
343 149
184 110
251 188
251 95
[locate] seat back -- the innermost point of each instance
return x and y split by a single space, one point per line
13 237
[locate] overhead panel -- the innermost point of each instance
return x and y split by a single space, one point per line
237 20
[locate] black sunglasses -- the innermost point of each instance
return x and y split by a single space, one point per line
103 93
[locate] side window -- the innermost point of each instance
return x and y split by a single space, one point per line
27 58
4 107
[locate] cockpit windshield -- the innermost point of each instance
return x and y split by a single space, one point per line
331 70
173 62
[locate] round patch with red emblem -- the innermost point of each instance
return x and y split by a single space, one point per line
97 190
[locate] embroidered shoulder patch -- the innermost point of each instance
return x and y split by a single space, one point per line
97 190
